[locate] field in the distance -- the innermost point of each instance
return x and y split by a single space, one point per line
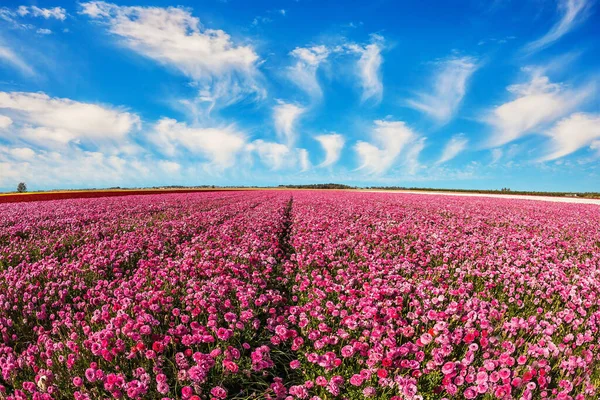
299 294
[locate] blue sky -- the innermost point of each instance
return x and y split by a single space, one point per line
463 94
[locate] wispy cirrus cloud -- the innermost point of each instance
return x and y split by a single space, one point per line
449 85
453 147
369 67
366 65
224 70
572 13
304 71
571 134
333 144
285 117
303 160
9 57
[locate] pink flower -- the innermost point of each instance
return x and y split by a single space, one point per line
369 391
356 380
219 392
426 338
347 351
448 368
90 374
470 392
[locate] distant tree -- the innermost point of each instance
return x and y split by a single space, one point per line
22 187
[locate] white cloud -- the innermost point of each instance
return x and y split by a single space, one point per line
14 60
42 119
47 13
453 147
261 20
21 153
5 122
333 145
6 14
572 13
285 116
22 11
572 133
536 104
277 156
78 168
172 36
169 167
218 145
43 31
448 89
369 68
303 160
9 15
273 155
595 146
412 156
304 72
390 138
496 155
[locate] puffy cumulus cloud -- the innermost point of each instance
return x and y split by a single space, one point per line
390 139
218 146
51 169
19 153
277 156
5 122
536 103
454 146
285 117
443 99
224 70
572 133
332 145
170 167
369 67
44 120
271 154
572 13
304 72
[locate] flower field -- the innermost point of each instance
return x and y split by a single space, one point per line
299 295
